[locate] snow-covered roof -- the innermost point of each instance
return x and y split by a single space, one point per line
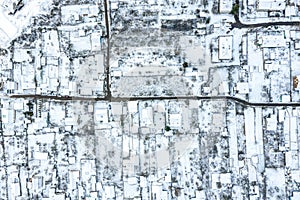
147 116
225 6
271 5
40 156
273 41
175 120
132 106
225 47
242 87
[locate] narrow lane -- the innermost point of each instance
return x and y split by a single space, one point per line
239 24
108 97
124 99
107 24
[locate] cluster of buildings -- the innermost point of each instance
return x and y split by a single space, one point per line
249 152
196 149
158 136
92 150
250 64
16 15
63 61
258 65
269 10
268 66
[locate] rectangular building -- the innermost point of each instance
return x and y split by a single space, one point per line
225 6
225 47
271 5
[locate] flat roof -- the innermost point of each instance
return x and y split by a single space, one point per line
225 6
271 5
225 47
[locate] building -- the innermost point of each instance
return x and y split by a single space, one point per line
225 47
242 87
225 6
269 41
271 5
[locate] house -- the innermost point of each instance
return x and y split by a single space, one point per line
296 195
242 87
225 47
74 177
13 179
101 113
54 195
147 116
40 155
109 192
72 14
95 41
271 123
11 86
292 160
175 120
22 55
281 115
293 133
272 41
224 87
275 177
270 66
132 106
116 108
218 179
270 5
114 5
131 191
158 192
225 6
7 116
88 169
51 43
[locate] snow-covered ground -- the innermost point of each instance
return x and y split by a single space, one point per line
13 25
